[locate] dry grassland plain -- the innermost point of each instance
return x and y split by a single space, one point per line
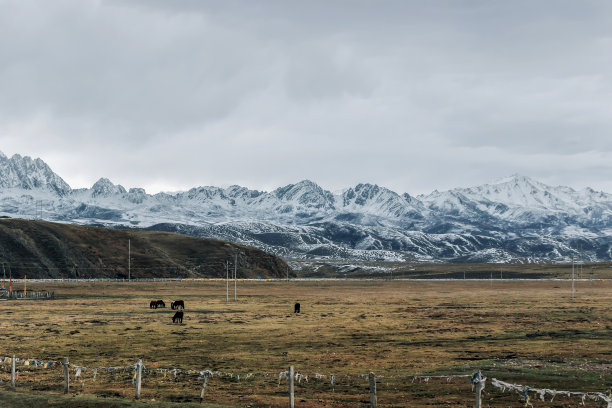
525 332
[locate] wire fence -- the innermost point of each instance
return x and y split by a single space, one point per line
22 295
282 384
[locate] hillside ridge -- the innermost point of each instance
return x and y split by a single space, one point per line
41 249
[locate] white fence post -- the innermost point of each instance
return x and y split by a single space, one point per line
291 396
138 377
13 372
203 388
373 399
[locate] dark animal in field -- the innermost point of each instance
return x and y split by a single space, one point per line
153 304
178 317
296 308
160 303
177 304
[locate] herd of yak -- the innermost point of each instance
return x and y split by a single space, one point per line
177 304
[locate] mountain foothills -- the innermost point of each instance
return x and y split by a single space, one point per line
41 249
512 220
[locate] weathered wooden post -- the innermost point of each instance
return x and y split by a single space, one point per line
479 387
203 388
291 396
478 382
138 377
373 400
13 372
66 376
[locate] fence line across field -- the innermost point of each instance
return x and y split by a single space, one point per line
292 377
30 295
543 392
38 280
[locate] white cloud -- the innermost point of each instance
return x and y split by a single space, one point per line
407 94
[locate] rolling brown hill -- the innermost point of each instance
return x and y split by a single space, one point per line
41 249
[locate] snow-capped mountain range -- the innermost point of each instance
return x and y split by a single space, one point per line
516 219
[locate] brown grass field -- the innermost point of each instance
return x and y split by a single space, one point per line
525 332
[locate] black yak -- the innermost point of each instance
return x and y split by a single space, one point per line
177 304
178 317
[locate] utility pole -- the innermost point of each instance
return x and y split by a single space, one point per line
129 260
235 273
581 263
226 281
572 278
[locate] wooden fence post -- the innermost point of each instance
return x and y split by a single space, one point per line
478 381
373 400
13 372
479 388
138 377
291 396
66 376
203 388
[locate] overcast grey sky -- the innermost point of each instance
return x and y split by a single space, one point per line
411 95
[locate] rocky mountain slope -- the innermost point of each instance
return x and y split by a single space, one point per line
40 249
516 219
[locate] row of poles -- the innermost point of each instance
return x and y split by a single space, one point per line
226 272
138 382
478 381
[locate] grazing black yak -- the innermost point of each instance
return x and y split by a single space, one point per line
178 317
177 304
160 303
296 308
153 304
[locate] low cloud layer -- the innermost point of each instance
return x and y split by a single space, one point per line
411 95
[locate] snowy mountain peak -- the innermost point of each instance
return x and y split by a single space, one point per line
239 192
363 194
205 193
379 201
306 194
515 179
523 183
521 191
23 172
136 195
105 188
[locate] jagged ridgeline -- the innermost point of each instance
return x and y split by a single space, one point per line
512 220
42 249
